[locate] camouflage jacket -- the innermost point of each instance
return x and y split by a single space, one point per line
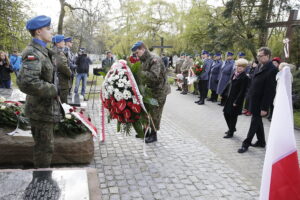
36 79
64 72
155 74
187 64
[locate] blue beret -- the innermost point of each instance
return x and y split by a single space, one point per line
218 54
68 39
229 53
204 52
136 45
58 38
241 54
38 22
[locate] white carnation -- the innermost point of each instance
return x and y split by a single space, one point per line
121 85
127 94
118 96
68 116
2 107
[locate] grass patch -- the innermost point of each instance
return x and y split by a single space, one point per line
297 118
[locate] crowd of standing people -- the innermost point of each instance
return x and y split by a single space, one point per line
242 87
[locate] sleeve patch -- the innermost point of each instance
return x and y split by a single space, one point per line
31 57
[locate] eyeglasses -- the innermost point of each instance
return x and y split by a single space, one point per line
259 56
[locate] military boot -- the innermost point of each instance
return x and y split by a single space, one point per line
152 137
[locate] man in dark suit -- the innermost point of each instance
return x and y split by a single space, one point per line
261 95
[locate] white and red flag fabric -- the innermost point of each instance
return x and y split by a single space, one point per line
281 174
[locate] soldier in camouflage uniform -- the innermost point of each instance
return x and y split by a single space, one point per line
155 77
186 66
61 63
37 79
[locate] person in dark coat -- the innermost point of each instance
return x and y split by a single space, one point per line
224 76
203 78
235 91
261 95
5 70
213 78
250 73
108 61
83 64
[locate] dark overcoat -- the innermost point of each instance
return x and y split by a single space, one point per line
263 88
236 92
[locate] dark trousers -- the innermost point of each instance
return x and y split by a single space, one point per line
185 83
231 120
246 106
6 84
271 111
256 127
223 99
202 86
214 95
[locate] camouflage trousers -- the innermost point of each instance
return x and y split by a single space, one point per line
42 133
156 111
64 95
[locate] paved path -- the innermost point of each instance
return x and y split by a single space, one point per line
191 160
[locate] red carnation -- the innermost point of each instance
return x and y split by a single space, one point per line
129 103
16 104
81 112
117 110
121 104
126 113
89 119
17 112
136 108
71 110
74 108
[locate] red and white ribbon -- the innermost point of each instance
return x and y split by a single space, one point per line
286 47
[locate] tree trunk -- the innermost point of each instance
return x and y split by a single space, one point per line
61 17
264 9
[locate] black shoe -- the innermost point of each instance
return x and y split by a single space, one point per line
139 136
243 149
227 132
178 89
201 103
151 138
257 144
208 99
198 101
229 135
213 100
184 93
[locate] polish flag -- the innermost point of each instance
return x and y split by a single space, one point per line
281 174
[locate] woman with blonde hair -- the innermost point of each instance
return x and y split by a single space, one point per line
236 91
5 70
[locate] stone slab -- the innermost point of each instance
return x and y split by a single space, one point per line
50 184
13 95
19 149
